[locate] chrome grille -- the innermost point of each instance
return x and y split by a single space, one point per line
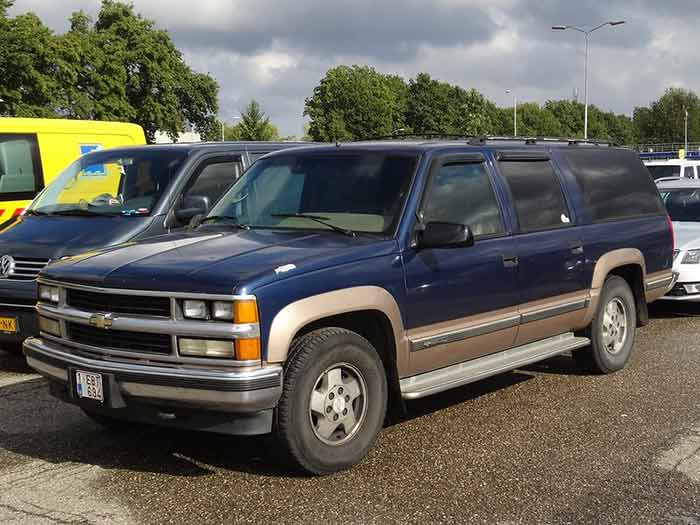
120 339
119 304
24 268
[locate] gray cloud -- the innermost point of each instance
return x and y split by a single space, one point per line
276 51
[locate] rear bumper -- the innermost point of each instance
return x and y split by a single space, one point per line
128 387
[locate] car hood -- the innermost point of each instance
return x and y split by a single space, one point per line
687 235
54 237
210 260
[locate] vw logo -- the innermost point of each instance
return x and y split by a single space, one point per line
7 266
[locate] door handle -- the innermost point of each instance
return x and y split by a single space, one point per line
510 261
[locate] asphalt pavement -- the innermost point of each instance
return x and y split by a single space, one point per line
546 444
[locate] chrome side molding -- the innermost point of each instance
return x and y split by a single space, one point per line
429 383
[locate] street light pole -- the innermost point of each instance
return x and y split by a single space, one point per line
686 131
587 33
515 113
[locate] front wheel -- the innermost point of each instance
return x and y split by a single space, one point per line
612 330
334 401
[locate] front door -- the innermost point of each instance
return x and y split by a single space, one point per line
461 303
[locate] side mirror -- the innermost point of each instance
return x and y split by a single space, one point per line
191 206
445 235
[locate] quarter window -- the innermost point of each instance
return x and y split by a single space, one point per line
20 172
462 194
537 195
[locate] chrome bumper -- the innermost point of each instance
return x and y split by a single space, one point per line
226 391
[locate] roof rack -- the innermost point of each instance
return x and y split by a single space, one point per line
477 140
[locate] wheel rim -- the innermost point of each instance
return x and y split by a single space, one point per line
614 325
338 404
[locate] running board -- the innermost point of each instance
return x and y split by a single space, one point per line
463 373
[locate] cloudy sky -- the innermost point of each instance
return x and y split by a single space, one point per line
276 51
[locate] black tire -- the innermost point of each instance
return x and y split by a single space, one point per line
312 357
605 358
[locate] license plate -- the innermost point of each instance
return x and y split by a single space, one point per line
8 325
89 386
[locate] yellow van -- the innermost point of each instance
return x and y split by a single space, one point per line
34 150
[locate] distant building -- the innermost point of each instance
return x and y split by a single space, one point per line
189 135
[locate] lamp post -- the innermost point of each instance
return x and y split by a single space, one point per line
515 112
587 33
686 132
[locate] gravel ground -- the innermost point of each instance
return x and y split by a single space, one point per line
541 445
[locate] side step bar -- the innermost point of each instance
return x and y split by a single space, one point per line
470 371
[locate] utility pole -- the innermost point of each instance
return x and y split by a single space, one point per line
586 33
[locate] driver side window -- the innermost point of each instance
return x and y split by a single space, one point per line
462 194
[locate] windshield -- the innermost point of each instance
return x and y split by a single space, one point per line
361 192
664 170
682 205
110 183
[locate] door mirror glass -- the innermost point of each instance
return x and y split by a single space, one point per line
445 235
192 205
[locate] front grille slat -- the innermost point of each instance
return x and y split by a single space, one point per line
119 304
120 340
26 269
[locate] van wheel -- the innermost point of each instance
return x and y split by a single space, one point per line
612 330
333 402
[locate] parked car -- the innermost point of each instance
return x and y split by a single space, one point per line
110 197
667 165
33 151
682 200
332 283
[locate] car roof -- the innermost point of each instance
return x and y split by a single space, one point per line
678 184
226 146
672 162
476 144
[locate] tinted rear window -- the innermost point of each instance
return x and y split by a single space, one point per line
660 171
615 184
537 195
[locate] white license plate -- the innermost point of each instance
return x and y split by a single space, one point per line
89 386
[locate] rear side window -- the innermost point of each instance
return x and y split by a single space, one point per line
462 194
20 170
688 172
537 195
615 184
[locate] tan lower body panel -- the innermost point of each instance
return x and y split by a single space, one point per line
443 344
657 284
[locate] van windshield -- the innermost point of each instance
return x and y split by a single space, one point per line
361 192
110 183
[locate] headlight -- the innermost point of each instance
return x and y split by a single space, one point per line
49 326
48 294
207 348
195 309
222 310
691 257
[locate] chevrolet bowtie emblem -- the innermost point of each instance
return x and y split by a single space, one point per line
103 321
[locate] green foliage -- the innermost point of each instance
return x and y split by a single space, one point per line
355 103
253 125
121 67
664 119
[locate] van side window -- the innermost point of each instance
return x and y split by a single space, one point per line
537 195
462 194
20 170
688 172
625 191
214 179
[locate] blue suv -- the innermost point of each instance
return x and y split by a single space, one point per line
332 283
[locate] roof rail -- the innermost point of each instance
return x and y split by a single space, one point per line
477 140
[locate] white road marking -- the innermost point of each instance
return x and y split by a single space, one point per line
684 456
13 379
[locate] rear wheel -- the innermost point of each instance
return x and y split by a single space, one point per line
612 330
334 401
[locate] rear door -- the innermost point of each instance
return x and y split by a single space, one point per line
461 303
549 247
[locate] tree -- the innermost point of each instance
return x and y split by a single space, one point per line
355 102
254 125
664 121
428 107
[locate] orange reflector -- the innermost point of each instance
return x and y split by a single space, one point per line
247 349
245 311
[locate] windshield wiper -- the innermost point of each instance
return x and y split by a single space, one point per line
233 221
319 219
35 212
81 212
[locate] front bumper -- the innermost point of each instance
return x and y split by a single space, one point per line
18 300
130 387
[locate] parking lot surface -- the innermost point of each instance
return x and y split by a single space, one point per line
546 444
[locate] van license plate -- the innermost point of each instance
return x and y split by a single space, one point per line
8 325
89 386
